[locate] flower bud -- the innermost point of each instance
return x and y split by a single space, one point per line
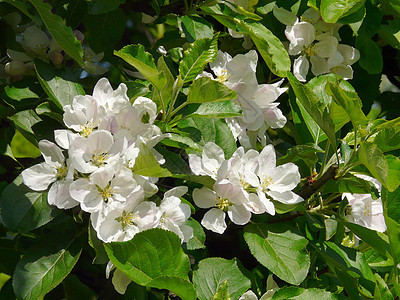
79 35
36 41
15 68
57 58
12 19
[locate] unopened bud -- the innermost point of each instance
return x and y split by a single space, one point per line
79 35
15 68
57 58
12 19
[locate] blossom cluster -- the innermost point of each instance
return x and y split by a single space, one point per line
244 184
104 136
257 101
314 41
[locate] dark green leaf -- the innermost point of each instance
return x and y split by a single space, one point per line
370 54
42 268
103 6
59 89
154 258
306 153
61 33
391 202
382 291
98 246
205 89
196 57
269 46
298 293
23 209
49 109
280 249
393 232
222 271
76 290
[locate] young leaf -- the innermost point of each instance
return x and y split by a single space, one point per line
222 292
333 10
165 94
154 258
393 232
270 47
205 89
137 57
382 290
388 139
349 101
195 28
146 164
315 108
294 292
279 249
60 90
61 33
196 57
373 158
23 209
42 268
221 109
391 202
222 271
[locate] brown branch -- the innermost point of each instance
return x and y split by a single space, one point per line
310 190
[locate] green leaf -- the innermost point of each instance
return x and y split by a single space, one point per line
221 109
146 164
317 110
136 89
349 101
137 57
20 93
195 28
103 6
333 10
373 238
23 209
222 293
21 147
199 237
196 57
154 258
382 291
298 293
393 179
393 232
42 268
280 249
370 54
76 290
347 260
26 8
49 109
388 139
306 153
222 271
59 89
269 46
173 162
350 184
205 89
25 120
110 26
391 7
391 202
164 96
60 32
213 130
373 158
181 142
98 246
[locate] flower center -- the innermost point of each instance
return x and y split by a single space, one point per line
87 129
266 181
107 193
99 159
61 171
222 203
164 218
126 219
367 210
40 50
223 77
309 51
244 184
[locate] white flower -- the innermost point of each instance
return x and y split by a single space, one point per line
174 214
225 198
54 170
272 287
96 152
346 56
366 211
209 163
35 41
126 219
277 181
103 190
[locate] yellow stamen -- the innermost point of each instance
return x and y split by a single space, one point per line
126 219
99 159
87 129
222 203
266 181
224 76
61 171
107 193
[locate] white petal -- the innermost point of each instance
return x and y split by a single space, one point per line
319 65
266 160
274 117
187 232
212 157
87 194
214 220
267 204
300 68
39 177
239 214
327 47
350 54
51 152
249 295
287 197
285 177
343 70
102 90
204 197
59 195
120 281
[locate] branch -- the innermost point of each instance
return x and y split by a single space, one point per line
311 189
